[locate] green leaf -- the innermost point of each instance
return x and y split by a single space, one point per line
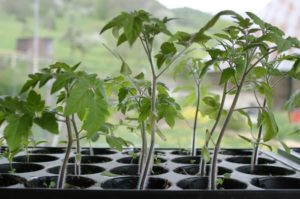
285 146
73 68
145 109
34 102
61 81
269 122
48 122
295 132
132 28
169 115
168 48
256 19
205 154
227 73
123 92
117 21
61 65
2 117
97 112
246 139
160 134
140 76
260 71
17 130
44 78
293 102
121 39
30 83
249 121
117 142
79 98
125 69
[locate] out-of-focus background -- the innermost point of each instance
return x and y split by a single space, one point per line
36 33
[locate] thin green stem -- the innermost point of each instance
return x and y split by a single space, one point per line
78 155
142 184
254 157
198 95
62 172
202 162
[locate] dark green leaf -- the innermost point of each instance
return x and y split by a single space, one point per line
259 71
132 28
61 65
248 118
121 39
30 83
17 130
61 81
79 99
271 128
123 92
227 73
34 102
125 69
256 19
97 112
117 21
73 68
117 142
48 122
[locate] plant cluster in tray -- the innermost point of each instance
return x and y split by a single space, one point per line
247 55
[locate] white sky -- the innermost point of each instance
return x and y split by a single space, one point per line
214 6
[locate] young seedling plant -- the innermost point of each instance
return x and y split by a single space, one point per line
155 103
81 105
141 26
242 48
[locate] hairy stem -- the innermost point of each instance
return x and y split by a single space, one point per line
77 164
198 95
202 165
150 155
143 148
254 157
62 172
213 172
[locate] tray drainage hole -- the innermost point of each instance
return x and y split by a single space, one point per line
276 183
265 170
135 160
35 158
20 168
72 182
194 170
7 180
131 183
133 170
202 183
85 169
91 159
247 160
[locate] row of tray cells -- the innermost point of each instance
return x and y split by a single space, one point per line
130 182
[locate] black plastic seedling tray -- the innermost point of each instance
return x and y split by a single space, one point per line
294 154
112 174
